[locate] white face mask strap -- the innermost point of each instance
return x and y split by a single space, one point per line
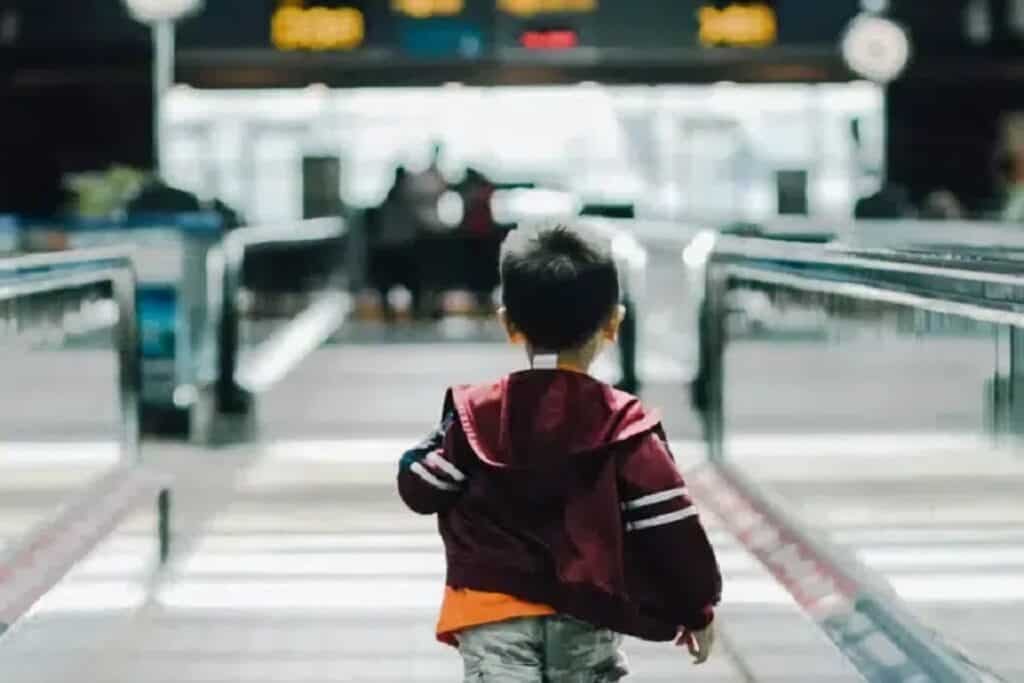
545 361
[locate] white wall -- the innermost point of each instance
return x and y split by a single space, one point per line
674 150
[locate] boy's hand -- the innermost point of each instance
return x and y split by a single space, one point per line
699 643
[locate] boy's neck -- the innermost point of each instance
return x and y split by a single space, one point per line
565 361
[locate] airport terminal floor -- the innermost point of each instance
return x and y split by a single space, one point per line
292 559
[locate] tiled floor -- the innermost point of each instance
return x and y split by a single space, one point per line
306 568
314 572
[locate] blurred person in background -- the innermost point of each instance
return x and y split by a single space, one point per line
1011 168
482 236
156 196
425 190
439 256
891 202
393 234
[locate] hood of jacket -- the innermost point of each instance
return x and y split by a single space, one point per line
534 418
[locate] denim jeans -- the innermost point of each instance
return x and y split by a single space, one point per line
555 649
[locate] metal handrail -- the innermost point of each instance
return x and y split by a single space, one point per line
972 293
76 269
925 284
75 258
233 385
41 558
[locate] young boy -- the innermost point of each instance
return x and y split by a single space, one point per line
565 520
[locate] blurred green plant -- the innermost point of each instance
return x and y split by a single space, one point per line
104 194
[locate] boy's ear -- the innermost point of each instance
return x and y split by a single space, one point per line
611 328
514 335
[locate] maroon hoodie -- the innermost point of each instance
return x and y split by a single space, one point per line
558 489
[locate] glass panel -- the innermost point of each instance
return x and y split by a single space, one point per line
59 402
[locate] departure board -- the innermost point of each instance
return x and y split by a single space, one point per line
291 43
283 43
691 24
483 28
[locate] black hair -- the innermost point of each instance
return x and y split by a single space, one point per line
559 286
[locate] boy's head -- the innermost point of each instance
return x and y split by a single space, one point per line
560 291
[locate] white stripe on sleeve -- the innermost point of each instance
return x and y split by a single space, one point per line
662 520
426 476
655 498
438 461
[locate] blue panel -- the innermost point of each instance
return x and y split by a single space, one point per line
441 38
158 313
197 222
158 329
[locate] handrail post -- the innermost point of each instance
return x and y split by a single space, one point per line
1016 388
222 413
229 398
997 388
630 381
711 379
631 260
130 366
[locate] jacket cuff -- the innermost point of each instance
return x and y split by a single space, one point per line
702 620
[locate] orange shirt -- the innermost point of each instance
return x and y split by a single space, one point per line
464 609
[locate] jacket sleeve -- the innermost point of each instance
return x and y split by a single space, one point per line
662 522
429 480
